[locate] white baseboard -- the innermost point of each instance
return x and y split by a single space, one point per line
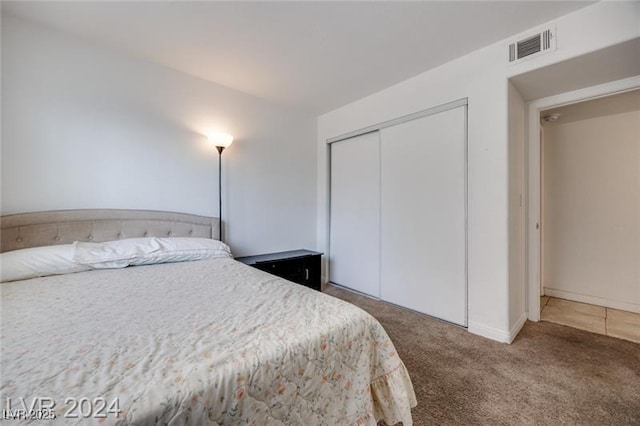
497 334
517 327
489 332
592 300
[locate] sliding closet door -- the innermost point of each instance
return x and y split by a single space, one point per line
423 231
355 214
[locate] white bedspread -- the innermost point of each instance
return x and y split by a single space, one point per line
206 342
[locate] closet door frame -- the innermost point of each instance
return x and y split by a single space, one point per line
464 102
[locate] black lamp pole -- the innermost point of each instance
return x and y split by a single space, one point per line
220 149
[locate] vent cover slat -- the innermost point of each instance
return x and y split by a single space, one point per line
546 39
529 46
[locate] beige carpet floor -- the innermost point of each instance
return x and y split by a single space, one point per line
550 375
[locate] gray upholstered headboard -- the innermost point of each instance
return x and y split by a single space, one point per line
26 230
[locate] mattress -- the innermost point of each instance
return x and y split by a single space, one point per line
208 342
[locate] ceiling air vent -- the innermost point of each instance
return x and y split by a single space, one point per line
532 45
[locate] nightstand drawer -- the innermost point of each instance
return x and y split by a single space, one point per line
300 266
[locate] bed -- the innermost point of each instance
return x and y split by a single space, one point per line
209 341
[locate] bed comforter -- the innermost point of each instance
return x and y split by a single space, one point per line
208 342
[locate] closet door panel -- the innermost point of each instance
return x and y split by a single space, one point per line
355 214
423 231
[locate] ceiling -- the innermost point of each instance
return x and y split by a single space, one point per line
312 56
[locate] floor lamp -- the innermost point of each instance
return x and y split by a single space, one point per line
220 141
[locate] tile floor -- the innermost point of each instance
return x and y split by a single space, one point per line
596 319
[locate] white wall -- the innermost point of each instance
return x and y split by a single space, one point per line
87 127
591 215
482 76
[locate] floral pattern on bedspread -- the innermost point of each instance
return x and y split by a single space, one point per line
209 342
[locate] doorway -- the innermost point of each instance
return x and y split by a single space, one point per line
538 255
590 214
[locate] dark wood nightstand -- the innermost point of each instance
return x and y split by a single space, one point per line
299 266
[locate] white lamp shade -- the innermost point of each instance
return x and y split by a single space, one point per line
221 139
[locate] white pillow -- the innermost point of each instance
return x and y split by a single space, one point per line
147 251
114 254
38 262
184 249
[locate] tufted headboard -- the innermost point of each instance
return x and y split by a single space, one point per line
54 227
